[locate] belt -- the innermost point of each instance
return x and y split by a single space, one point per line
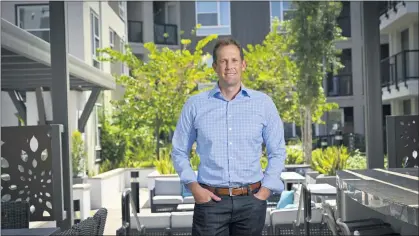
239 191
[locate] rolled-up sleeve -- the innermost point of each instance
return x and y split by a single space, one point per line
273 135
183 139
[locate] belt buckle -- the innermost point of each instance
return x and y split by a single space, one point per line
230 192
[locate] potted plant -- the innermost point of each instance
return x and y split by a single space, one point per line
78 157
328 161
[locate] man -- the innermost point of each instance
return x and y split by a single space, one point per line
229 124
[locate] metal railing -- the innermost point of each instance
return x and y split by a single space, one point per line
339 85
387 6
399 68
135 31
128 205
165 34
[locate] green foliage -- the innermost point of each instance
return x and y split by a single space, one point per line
357 161
295 155
271 69
164 165
78 153
330 160
157 89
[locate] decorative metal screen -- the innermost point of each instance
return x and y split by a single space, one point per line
403 141
27 172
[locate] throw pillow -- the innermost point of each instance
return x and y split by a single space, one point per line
185 191
287 197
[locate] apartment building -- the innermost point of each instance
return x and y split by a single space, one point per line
153 21
90 25
400 72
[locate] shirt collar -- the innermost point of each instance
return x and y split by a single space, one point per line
216 90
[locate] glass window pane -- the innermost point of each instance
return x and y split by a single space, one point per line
34 17
225 13
288 5
276 10
206 7
207 19
96 26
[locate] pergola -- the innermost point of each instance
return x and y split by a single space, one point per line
28 63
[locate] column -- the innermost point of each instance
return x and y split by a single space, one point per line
372 84
396 107
357 67
413 70
148 21
60 98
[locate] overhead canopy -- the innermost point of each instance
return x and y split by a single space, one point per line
26 64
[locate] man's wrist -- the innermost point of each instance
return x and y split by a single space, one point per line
193 186
265 192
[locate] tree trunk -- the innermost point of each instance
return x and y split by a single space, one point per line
157 135
308 146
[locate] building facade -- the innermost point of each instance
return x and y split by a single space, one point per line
91 25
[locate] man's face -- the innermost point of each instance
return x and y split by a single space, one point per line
229 65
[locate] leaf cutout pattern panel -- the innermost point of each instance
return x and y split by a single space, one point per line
26 168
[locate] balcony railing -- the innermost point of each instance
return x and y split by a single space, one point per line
398 68
135 31
387 6
165 34
339 85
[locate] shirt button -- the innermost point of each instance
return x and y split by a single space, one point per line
231 143
229 128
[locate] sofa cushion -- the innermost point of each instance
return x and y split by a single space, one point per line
154 220
287 197
189 200
185 207
182 219
287 216
167 200
185 191
167 186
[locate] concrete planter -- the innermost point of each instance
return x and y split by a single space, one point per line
80 180
326 179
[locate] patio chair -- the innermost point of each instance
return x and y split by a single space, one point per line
100 218
15 215
86 227
370 226
69 232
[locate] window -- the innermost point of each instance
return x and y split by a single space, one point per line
95 38
282 10
214 17
111 38
121 5
34 19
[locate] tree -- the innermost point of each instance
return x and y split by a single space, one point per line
313 31
271 69
156 90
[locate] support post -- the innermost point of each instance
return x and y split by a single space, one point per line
373 107
88 109
60 99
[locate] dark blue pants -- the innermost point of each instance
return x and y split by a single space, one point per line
237 215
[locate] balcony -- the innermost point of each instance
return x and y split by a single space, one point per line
387 6
399 68
135 31
166 34
397 14
339 85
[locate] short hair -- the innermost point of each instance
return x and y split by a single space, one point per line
225 42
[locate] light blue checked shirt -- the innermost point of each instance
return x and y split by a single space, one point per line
229 137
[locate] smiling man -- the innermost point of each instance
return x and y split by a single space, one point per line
229 125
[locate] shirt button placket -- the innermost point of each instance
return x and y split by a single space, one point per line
229 151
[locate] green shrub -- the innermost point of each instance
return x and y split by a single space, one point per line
78 153
295 155
330 160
